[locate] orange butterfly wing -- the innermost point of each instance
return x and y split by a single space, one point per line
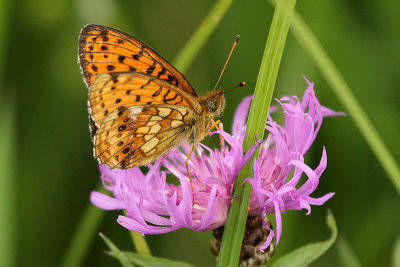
103 50
140 106
136 136
112 91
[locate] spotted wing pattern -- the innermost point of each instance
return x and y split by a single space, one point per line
116 91
138 135
103 50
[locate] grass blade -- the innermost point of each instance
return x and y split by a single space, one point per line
305 255
233 233
199 37
343 92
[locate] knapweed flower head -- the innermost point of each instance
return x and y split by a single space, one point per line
154 205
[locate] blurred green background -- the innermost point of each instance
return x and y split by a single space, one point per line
47 169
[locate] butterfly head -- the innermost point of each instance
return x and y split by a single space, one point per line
215 103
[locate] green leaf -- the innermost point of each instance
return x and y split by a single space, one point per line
346 254
305 255
135 259
140 243
147 261
115 252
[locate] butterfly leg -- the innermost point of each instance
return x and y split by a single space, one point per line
215 124
187 169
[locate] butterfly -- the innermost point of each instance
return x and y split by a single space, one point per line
140 106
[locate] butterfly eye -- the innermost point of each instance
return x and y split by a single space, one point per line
212 104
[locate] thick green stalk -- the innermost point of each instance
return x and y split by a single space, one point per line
339 86
233 233
140 243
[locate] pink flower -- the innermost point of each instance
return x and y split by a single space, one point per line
155 206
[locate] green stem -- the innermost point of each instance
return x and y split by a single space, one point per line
140 243
346 254
8 190
233 233
8 148
85 233
5 6
339 86
199 37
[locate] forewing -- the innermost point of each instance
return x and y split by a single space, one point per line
113 91
104 50
136 136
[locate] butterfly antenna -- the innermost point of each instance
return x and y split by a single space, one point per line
230 90
226 63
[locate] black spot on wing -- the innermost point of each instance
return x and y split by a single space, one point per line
121 110
121 59
162 72
151 69
103 32
138 55
172 79
114 77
